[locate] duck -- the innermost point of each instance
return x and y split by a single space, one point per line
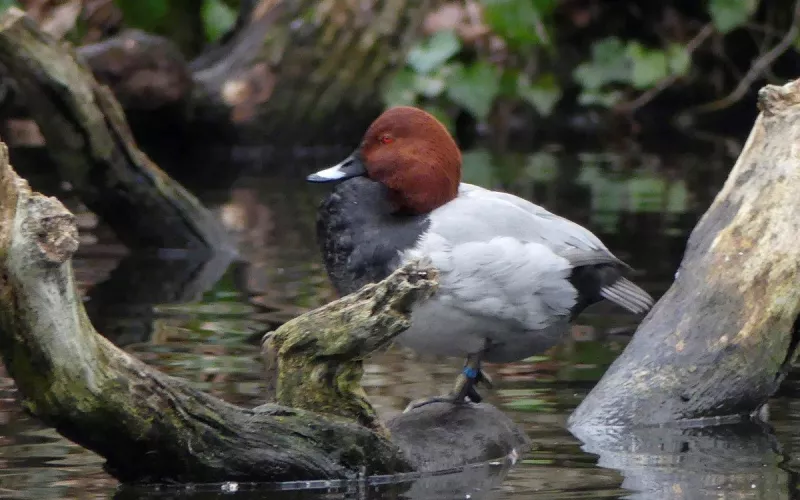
512 275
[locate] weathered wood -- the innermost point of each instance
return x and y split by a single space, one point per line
719 342
153 427
89 140
150 426
320 360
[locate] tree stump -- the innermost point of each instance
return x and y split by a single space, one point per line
719 342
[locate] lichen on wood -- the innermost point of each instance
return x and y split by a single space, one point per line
320 360
720 341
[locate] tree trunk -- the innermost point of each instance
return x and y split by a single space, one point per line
720 341
89 141
290 67
153 427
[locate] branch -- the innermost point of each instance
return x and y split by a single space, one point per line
758 67
90 143
646 97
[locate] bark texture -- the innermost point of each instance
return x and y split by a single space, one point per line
720 341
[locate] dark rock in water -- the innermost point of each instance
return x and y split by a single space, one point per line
440 436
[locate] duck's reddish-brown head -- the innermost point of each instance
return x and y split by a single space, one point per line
411 153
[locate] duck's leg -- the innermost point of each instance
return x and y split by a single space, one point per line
464 386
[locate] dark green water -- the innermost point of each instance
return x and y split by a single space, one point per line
197 320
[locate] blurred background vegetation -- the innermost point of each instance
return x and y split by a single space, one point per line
499 65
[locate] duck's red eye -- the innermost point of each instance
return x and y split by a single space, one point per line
386 139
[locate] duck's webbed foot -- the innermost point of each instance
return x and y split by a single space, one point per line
464 387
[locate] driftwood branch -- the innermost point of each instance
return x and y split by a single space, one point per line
89 140
153 427
720 341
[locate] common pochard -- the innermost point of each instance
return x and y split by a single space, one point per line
512 274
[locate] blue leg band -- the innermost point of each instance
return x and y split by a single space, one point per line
470 372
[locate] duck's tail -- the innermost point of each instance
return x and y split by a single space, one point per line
625 293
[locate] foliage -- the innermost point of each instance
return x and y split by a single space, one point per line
7 4
218 17
615 65
728 15
452 70
170 18
435 75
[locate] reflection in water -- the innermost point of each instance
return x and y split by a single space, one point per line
122 306
674 463
198 320
476 482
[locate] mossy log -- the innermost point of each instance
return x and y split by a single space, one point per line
151 427
720 341
288 66
89 141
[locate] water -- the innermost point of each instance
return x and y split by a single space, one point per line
200 320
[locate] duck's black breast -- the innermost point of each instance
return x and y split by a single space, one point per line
359 237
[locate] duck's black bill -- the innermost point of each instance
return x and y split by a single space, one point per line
350 167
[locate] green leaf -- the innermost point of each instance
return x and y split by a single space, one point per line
144 14
399 89
474 88
218 18
429 86
679 59
728 15
609 64
648 66
433 52
516 21
543 94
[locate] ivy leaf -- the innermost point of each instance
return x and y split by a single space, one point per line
728 15
543 94
608 64
647 66
474 88
399 89
217 17
515 20
432 53
679 59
